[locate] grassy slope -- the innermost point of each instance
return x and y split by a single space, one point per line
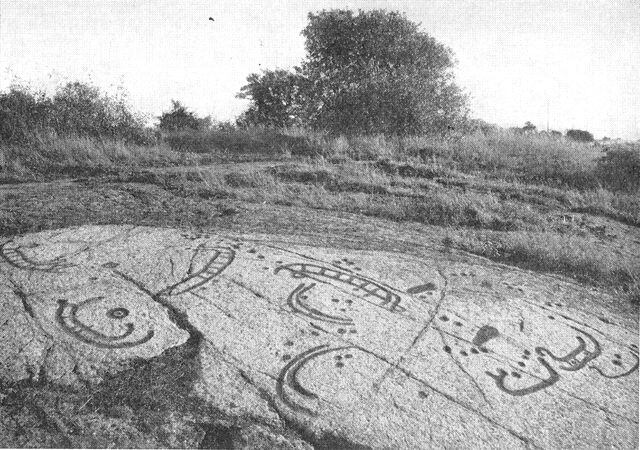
531 201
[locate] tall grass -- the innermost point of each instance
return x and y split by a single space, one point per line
48 155
570 255
536 159
509 231
531 159
508 186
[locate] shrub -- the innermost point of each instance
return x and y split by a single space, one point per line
76 109
619 168
21 113
81 109
180 118
580 135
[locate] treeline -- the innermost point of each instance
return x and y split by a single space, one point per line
366 73
76 108
529 128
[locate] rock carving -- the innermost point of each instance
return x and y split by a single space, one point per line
297 303
16 257
484 335
340 352
633 368
220 260
288 379
67 318
578 357
421 288
322 274
517 392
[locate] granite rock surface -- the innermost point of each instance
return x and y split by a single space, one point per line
345 347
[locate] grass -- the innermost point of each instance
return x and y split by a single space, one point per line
49 157
551 252
529 230
503 196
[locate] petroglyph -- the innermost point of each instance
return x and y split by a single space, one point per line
387 298
415 290
295 392
617 362
297 303
363 344
221 259
288 377
502 374
577 358
120 331
484 335
16 257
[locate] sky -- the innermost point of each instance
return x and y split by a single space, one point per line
568 63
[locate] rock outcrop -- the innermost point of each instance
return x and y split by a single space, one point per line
325 346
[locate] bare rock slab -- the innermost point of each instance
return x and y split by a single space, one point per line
348 347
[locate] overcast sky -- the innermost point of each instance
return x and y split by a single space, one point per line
579 60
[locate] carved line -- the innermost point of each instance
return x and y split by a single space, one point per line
219 262
66 318
298 306
502 374
427 287
571 358
300 270
16 258
289 376
628 372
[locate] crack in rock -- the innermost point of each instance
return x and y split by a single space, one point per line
194 340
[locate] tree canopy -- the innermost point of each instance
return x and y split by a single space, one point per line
580 135
180 118
370 72
274 98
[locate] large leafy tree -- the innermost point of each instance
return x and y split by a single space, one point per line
275 96
371 72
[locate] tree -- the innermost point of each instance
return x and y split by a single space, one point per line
274 99
180 118
529 128
580 135
374 72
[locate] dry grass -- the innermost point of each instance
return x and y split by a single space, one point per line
49 156
510 187
565 254
510 222
502 155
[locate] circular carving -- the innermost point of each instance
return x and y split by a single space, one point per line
118 313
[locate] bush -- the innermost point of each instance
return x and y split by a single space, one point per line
580 135
76 109
619 168
81 109
180 118
21 113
